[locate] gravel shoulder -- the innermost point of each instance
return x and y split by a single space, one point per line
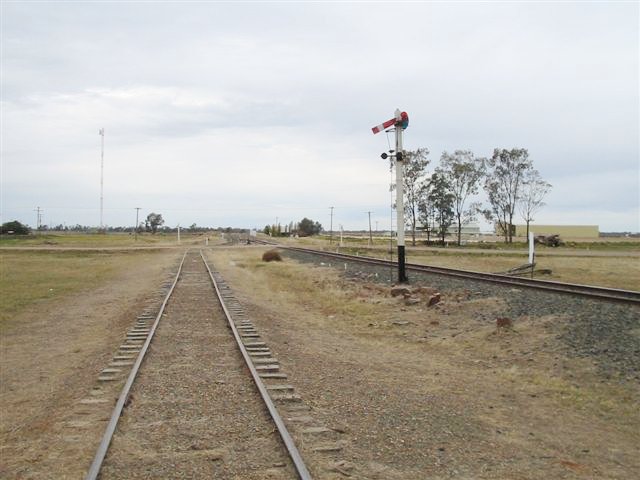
441 392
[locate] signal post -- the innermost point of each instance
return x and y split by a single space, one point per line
400 121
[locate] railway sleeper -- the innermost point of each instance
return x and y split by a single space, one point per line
268 368
287 397
272 375
267 361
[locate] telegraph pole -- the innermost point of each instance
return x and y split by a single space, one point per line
400 121
331 228
101 133
136 229
370 237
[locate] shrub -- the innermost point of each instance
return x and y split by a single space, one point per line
271 256
15 227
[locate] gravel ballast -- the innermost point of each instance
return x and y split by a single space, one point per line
194 411
607 332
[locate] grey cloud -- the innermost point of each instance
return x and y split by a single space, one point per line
558 79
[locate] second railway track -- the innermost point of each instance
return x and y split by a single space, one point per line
588 291
193 411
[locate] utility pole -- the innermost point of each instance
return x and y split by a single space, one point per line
400 121
38 217
101 133
331 228
136 229
370 237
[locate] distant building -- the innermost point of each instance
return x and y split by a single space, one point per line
565 231
467 229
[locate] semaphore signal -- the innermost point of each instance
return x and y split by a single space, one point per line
400 121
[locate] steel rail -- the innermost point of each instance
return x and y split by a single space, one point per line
299 464
101 453
602 293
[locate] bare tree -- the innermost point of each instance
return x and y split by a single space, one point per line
534 189
506 172
463 172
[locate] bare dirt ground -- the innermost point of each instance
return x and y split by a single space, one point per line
437 392
414 392
51 355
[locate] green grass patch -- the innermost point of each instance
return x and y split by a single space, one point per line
90 240
30 277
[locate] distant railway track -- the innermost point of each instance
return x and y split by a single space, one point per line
190 290
593 292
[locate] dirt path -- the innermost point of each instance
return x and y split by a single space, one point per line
51 356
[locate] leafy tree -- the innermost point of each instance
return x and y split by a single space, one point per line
441 200
154 220
274 230
506 172
307 227
426 211
16 227
463 172
534 189
415 166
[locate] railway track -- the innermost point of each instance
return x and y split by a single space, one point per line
593 292
188 409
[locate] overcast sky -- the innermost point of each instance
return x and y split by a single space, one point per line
235 114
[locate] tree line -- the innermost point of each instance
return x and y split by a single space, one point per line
153 224
447 196
304 228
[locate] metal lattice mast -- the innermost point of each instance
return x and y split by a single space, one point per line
101 133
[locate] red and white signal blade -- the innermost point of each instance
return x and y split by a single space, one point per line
384 126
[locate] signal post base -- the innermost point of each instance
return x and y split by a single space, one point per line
402 275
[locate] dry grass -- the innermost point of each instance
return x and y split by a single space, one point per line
110 240
518 382
614 263
64 315
612 272
28 277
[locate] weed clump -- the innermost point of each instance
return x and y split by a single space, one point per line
271 256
